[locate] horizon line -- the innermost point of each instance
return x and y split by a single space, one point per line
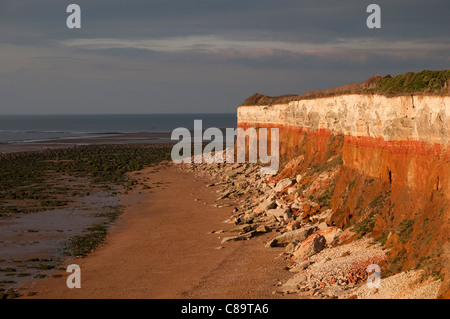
181 113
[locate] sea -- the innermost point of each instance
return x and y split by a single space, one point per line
41 128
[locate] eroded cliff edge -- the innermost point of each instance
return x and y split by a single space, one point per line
380 163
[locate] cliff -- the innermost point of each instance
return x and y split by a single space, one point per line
380 162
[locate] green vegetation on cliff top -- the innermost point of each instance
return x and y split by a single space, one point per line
424 82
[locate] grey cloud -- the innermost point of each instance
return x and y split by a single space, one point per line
204 55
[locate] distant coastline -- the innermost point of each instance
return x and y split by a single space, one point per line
39 128
37 132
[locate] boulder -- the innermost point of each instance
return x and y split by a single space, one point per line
266 205
301 266
293 225
297 204
299 235
280 203
243 236
249 217
280 213
325 216
241 184
262 229
270 219
242 228
287 216
312 245
322 225
227 239
329 233
247 235
289 249
306 208
272 243
283 184
258 211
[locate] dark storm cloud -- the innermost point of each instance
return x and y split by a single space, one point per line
315 20
204 55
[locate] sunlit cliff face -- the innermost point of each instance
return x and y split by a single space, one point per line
391 165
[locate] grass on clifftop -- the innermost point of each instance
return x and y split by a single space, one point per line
428 82
422 82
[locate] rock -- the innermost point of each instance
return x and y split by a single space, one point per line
298 178
312 245
284 183
322 225
280 203
301 266
280 213
330 233
241 184
227 239
247 235
297 204
258 211
265 206
225 195
242 228
271 219
325 217
240 237
299 235
293 225
248 218
306 208
262 229
287 217
291 247
272 243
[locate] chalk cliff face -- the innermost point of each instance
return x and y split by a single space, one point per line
384 163
418 118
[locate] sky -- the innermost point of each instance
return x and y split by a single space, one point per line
204 56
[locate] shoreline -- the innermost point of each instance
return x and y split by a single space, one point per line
119 138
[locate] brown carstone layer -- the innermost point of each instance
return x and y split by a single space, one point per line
412 178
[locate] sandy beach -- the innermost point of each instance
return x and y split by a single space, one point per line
162 247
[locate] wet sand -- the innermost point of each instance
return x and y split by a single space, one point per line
119 138
161 247
31 245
